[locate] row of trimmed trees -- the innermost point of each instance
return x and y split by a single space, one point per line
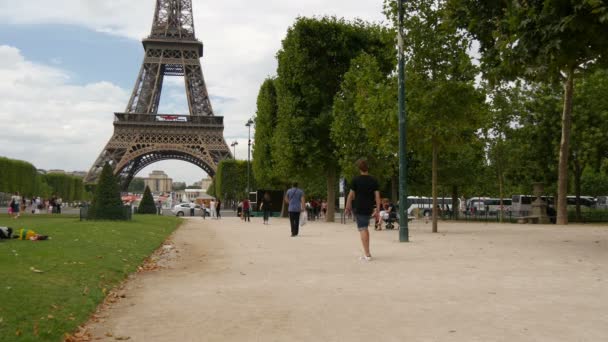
23 177
476 129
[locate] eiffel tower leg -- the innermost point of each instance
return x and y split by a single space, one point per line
146 93
196 90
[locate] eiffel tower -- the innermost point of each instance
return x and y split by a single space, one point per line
142 136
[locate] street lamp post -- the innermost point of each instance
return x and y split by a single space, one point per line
234 149
403 228
248 124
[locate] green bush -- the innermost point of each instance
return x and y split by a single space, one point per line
147 203
107 204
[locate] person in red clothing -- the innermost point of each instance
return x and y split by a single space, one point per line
246 210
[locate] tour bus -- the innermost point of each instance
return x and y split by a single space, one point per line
425 204
522 204
486 204
602 202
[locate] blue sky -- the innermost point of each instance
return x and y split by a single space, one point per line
68 65
87 56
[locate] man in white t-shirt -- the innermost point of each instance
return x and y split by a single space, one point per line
212 209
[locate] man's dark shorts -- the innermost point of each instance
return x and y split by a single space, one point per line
362 221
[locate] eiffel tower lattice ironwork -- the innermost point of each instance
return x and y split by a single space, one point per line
142 136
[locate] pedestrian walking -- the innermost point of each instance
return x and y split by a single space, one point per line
204 210
266 207
218 207
192 206
15 205
212 205
295 198
364 192
246 210
159 207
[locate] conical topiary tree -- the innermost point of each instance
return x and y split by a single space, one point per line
107 204
147 203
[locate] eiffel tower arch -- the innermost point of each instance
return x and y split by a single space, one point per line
142 136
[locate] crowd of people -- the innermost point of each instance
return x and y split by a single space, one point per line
20 204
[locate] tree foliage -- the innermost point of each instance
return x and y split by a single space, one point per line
543 41
147 205
444 106
311 63
21 176
107 204
137 185
263 164
231 180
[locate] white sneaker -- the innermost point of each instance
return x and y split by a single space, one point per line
365 258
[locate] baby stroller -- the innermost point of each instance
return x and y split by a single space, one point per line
390 220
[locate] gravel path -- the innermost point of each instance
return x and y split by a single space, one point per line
232 281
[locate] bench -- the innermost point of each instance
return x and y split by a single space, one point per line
528 219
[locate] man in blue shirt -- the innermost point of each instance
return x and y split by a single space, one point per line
295 198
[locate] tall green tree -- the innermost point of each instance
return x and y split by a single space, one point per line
231 180
443 103
365 124
589 128
311 63
540 40
263 164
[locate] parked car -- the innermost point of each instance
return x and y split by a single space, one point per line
183 209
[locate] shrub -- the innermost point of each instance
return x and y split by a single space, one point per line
107 204
147 203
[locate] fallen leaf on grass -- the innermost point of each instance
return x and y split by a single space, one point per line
18 332
85 291
50 316
35 270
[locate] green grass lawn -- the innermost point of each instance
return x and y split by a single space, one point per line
80 264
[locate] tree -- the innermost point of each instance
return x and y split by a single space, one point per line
444 105
311 63
178 186
365 124
107 204
540 40
137 185
231 180
263 164
147 205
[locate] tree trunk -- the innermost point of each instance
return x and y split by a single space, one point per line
577 187
564 147
394 188
331 194
500 192
434 182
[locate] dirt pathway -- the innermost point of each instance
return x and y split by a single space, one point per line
475 282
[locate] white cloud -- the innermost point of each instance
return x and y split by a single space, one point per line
48 121
241 40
